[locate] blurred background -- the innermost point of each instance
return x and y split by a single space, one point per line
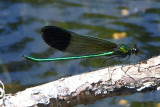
122 21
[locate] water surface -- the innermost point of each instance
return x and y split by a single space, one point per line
128 22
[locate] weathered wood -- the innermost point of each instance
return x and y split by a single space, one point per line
88 87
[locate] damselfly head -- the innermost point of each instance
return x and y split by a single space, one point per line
135 49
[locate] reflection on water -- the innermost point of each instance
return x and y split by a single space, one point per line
21 21
15 47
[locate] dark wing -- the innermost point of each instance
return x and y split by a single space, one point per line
67 41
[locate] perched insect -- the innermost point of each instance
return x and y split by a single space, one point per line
81 46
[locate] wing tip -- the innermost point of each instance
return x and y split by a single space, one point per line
56 37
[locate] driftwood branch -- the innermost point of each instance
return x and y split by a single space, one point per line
87 87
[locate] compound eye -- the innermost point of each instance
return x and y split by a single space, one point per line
135 50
